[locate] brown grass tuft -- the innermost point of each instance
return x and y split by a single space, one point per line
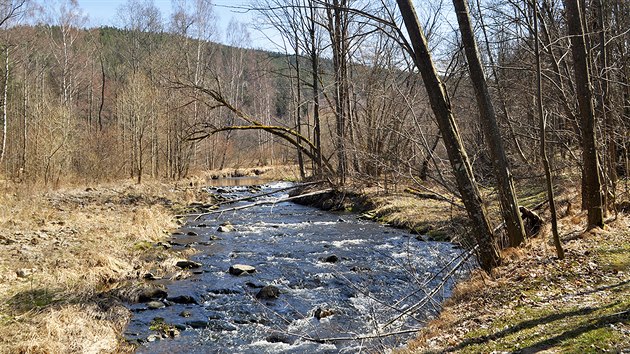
62 250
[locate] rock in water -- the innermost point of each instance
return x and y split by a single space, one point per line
268 292
278 338
226 227
150 294
182 299
239 269
154 305
322 313
331 259
185 264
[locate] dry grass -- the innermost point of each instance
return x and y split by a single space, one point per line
63 250
271 173
434 219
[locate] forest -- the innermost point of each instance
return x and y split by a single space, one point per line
470 103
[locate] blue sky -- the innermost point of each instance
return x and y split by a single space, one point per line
103 13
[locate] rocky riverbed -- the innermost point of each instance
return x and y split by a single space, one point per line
291 278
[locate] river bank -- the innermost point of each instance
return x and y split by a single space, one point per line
535 302
65 253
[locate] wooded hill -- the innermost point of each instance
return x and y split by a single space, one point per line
97 104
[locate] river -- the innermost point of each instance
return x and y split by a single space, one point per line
338 277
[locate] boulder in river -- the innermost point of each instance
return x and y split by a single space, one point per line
322 313
186 264
268 292
278 338
239 269
154 305
151 294
182 299
198 324
226 227
331 259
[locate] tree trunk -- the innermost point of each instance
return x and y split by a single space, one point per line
298 107
338 35
315 68
100 107
507 195
543 142
5 104
592 193
488 251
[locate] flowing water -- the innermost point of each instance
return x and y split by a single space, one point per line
338 277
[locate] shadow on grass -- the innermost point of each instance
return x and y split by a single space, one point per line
34 299
612 287
46 298
599 323
526 325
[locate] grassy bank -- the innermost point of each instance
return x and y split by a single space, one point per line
538 303
68 253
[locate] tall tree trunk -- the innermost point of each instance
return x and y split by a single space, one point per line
507 195
25 93
5 103
543 141
604 101
298 107
315 67
488 251
592 192
100 107
338 33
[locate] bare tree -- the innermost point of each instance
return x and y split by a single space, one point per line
592 191
543 140
507 195
488 251
8 10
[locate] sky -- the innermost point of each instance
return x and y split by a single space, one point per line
103 13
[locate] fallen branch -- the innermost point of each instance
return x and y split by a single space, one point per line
355 338
265 202
231 201
434 290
